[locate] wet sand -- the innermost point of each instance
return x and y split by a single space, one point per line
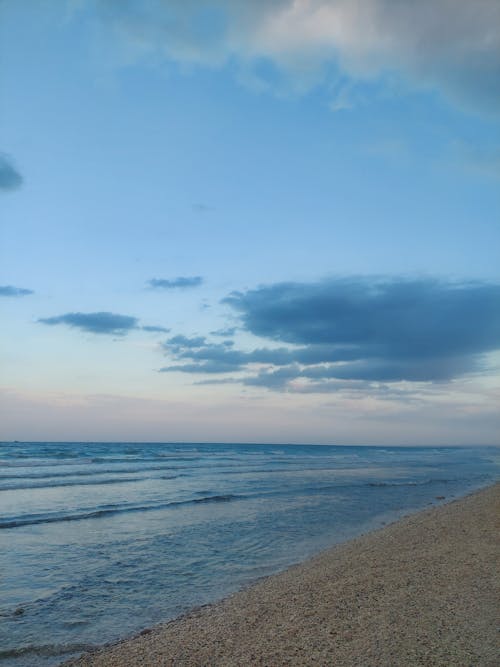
422 591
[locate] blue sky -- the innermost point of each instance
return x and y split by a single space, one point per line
233 221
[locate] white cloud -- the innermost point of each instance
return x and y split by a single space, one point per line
453 45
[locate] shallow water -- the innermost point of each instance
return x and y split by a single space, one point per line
98 541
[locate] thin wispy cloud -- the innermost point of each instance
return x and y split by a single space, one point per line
155 329
450 45
11 291
355 330
10 178
182 282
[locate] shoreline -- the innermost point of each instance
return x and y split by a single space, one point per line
419 591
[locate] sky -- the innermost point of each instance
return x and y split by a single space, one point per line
233 221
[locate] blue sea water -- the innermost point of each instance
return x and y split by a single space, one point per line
100 540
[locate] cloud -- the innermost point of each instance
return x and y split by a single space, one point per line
10 178
356 330
278 379
97 323
289 379
10 290
203 367
229 331
219 357
180 342
452 45
404 318
154 329
181 282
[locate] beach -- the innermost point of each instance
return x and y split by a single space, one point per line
421 591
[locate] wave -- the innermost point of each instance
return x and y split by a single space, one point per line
87 482
108 510
45 463
341 486
292 468
420 482
218 499
45 650
89 473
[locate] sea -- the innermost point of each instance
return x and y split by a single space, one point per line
99 541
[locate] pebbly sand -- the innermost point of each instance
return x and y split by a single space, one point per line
422 591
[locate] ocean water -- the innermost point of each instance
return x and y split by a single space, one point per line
100 540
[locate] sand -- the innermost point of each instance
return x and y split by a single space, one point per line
421 591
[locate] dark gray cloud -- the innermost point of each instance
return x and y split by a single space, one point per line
10 290
357 330
97 323
10 178
400 319
174 283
